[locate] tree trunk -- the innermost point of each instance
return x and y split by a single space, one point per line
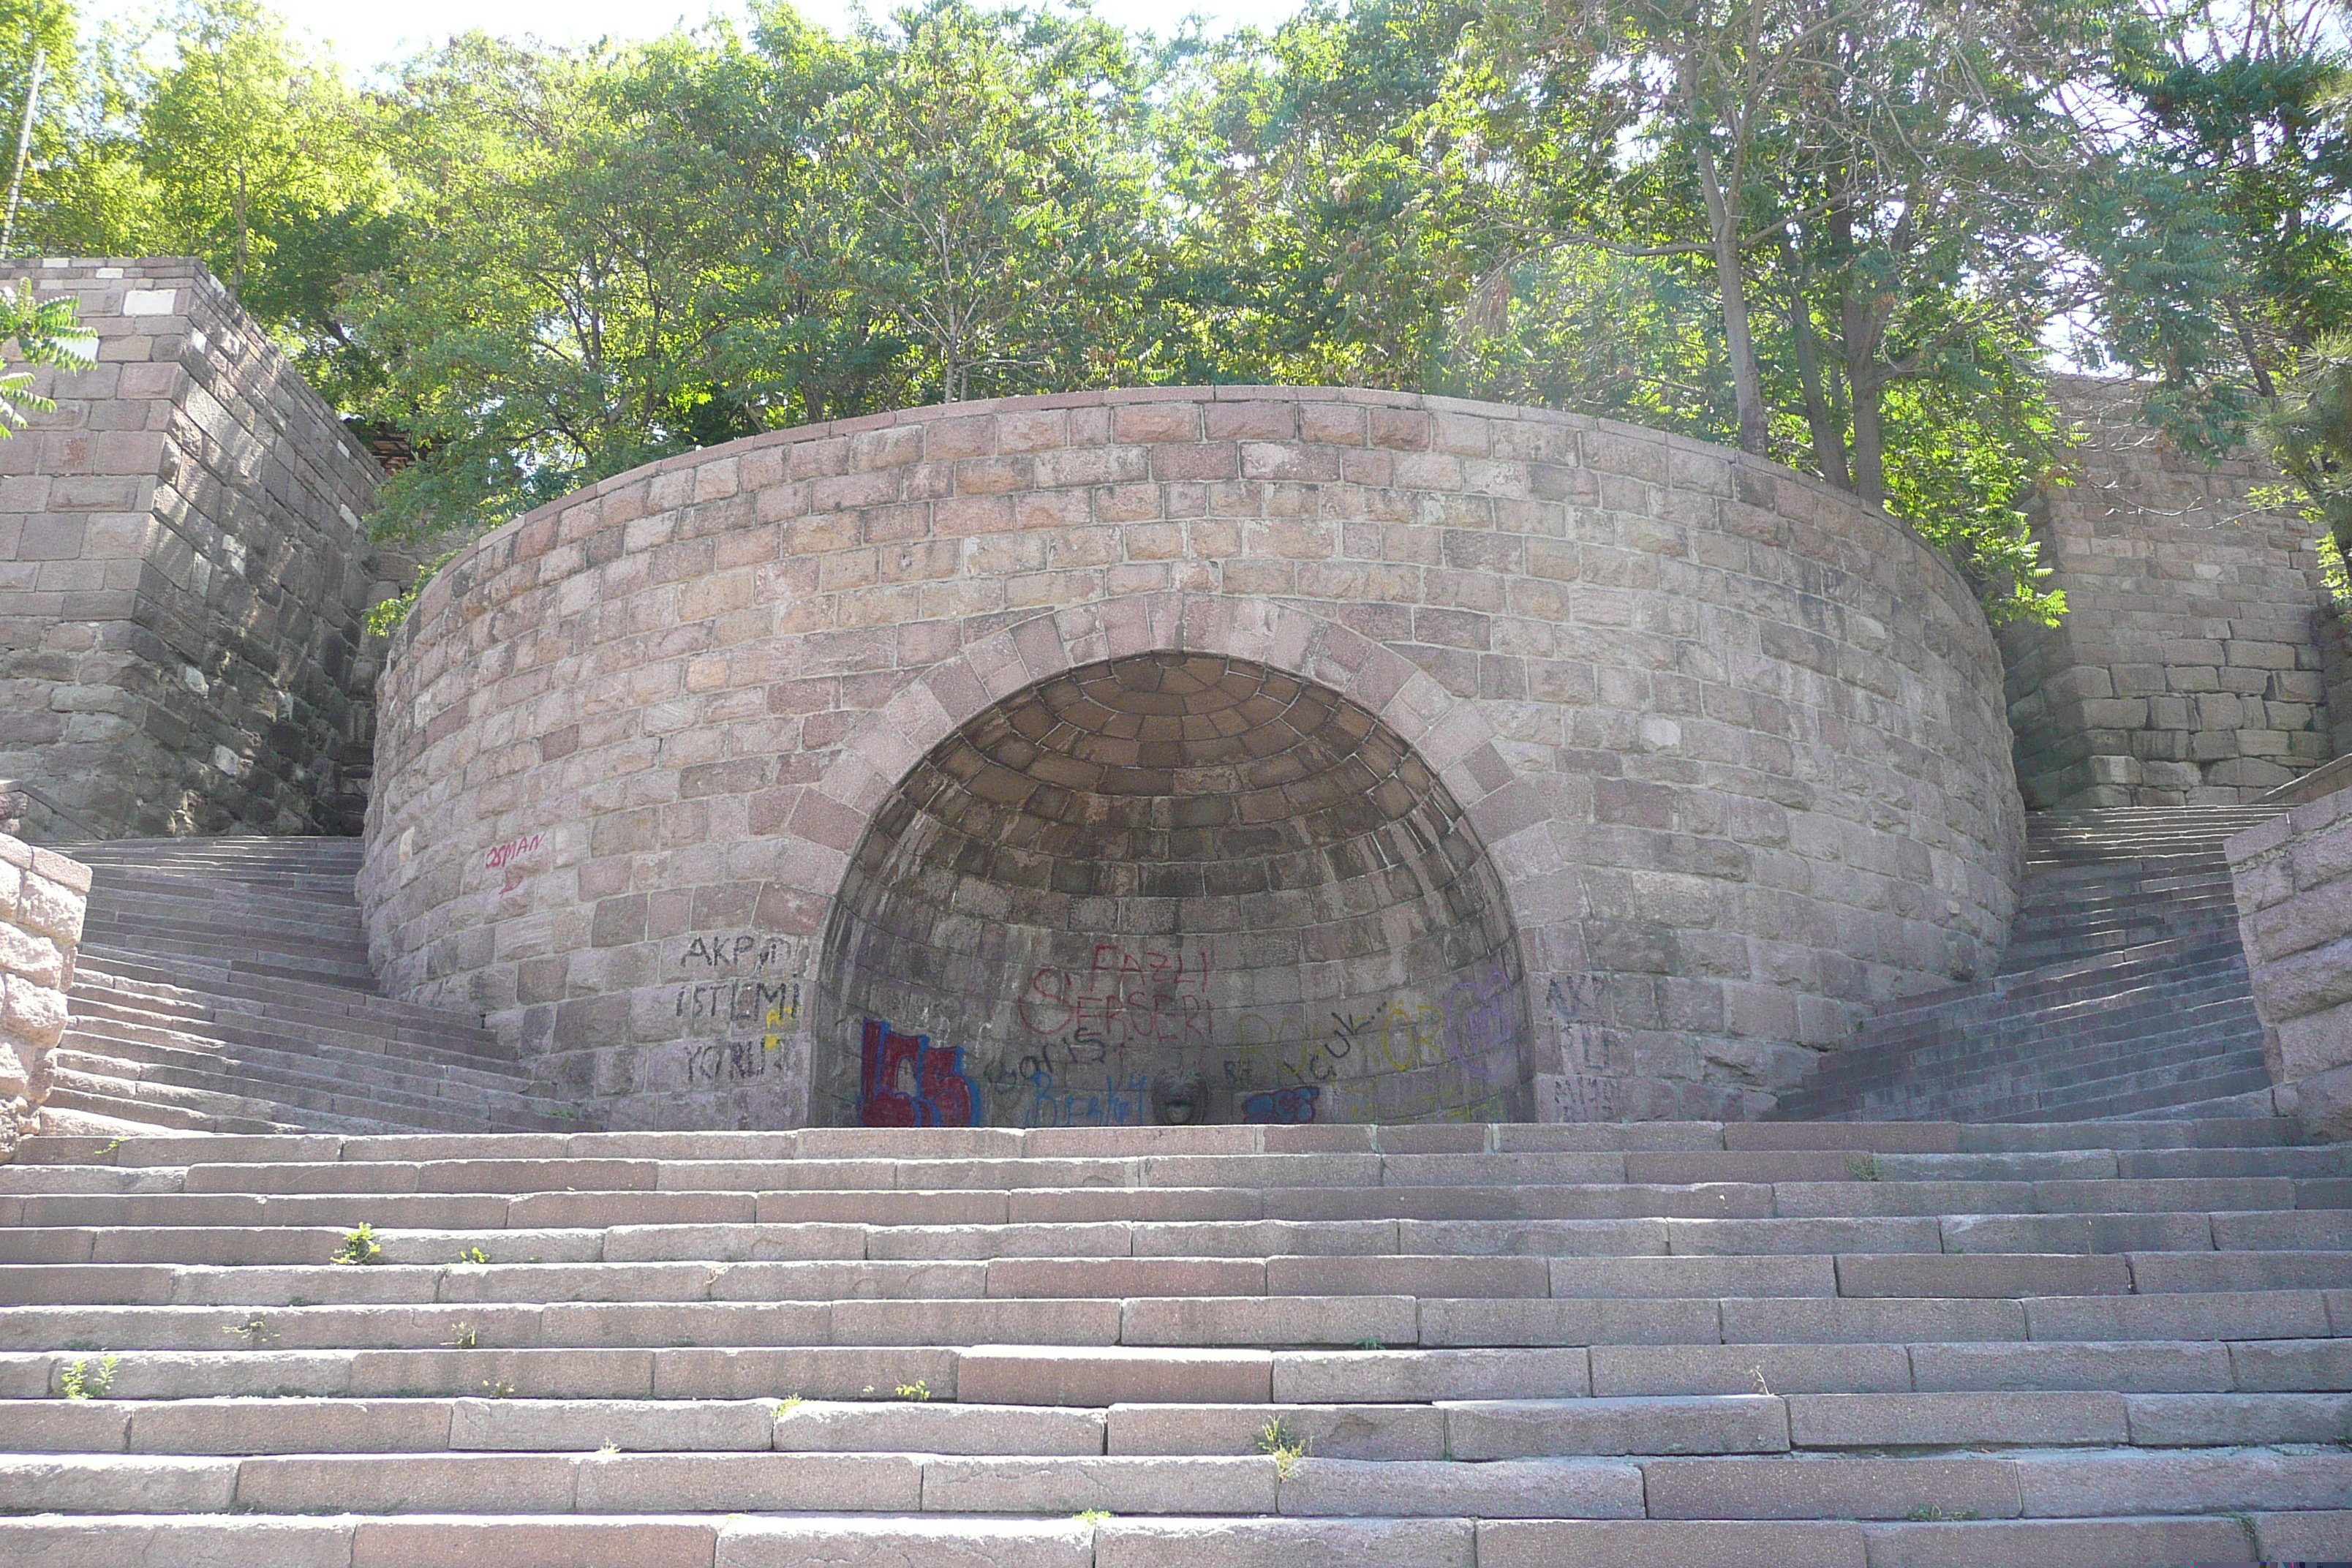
1829 441
237 270
1723 226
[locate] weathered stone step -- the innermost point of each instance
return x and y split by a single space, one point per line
1857 1276
913 1144
257 1103
1105 1375
1407 1431
2324 1230
129 1050
943 1541
2038 1484
763 1319
563 1210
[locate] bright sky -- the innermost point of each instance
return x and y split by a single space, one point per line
366 35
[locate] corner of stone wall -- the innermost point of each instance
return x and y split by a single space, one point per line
43 896
2335 631
181 639
2292 877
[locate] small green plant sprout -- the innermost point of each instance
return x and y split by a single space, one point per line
790 1402
110 1148
82 1382
496 1390
469 1338
918 1390
1093 1516
83 1345
1931 1514
254 1331
608 1446
1863 1167
360 1246
1285 1447
473 1255
300 1301
1369 1342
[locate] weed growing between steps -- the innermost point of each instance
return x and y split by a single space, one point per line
1093 1516
82 1382
1285 1447
467 1337
474 1255
360 1246
256 1332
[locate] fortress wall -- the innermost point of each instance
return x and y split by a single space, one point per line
1695 763
182 576
2188 669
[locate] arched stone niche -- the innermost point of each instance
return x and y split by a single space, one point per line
655 760
1171 888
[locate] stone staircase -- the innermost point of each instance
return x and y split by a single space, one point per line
2124 991
223 986
1829 1346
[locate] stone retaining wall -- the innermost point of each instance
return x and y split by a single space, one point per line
2294 882
1237 754
43 896
2187 668
182 576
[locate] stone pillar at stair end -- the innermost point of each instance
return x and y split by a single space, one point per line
2292 877
43 896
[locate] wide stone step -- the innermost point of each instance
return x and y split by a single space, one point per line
936 1541
1207 1322
1863 1276
1106 1374
2323 1230
1439 1430
563 1210
2035 1483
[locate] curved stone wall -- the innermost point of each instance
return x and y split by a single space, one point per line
1190 753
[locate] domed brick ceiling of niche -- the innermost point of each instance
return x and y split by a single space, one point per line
1171 887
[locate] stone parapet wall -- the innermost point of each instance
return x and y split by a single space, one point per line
43 896
2187 667
2292 877
184 574
1716 754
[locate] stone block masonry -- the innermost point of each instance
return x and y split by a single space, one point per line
184 575
43 896
2292 877
1190 755
2188 669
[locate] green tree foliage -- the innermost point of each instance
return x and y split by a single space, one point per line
988 199
1839 233
216 135
45 332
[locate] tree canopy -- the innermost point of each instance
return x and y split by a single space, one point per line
1853 235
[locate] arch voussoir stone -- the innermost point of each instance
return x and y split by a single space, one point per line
1663 768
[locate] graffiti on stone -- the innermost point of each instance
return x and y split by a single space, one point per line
1125 996
904 1081
738 978
507 859
1282 1107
